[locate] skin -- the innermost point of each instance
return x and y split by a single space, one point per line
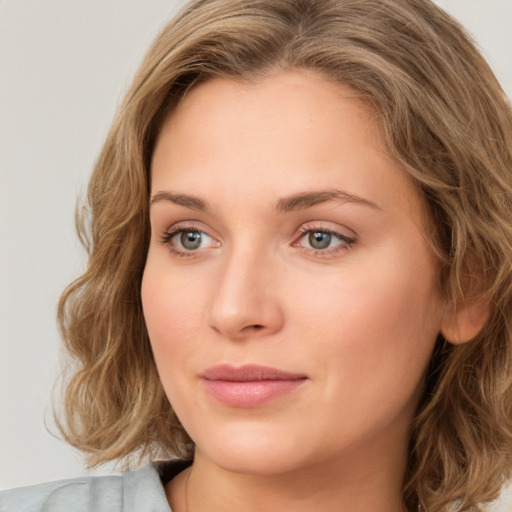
359 319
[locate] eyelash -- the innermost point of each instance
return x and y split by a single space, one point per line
346 242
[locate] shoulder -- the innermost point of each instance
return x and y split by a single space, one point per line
79 494
133 491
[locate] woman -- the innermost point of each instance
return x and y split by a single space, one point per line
299 276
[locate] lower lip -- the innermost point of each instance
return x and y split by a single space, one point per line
250 394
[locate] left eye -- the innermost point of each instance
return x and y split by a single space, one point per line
320 240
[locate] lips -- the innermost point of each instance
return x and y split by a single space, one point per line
249 386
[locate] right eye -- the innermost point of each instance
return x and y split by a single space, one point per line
186 240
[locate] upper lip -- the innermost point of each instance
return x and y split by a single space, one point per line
248 373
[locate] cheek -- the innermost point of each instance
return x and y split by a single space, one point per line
172 309
393 298
379 329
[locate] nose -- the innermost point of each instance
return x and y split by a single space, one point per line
246 299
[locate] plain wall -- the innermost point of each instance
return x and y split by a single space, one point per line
63 67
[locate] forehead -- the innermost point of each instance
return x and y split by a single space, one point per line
281 96
276 136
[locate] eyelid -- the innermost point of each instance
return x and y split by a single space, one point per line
329 227
186 225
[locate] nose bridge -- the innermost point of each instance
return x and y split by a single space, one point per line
244 301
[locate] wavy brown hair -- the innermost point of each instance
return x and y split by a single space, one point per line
444 119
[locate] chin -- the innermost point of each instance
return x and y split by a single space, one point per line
257 452
258 462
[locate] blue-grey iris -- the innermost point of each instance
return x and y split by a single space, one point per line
319 239
190 240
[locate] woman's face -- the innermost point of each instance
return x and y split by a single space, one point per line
290 296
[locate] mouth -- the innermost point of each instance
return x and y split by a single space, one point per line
249 386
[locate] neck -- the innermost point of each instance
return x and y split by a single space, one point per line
356 485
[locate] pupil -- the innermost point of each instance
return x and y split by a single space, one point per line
319 240
190 239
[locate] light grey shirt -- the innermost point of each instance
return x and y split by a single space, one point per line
141 490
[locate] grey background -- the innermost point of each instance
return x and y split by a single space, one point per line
64 65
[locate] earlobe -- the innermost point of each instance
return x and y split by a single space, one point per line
461 323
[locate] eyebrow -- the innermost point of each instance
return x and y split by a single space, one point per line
191 202
295 202
306 200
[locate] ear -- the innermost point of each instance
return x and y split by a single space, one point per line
463 321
